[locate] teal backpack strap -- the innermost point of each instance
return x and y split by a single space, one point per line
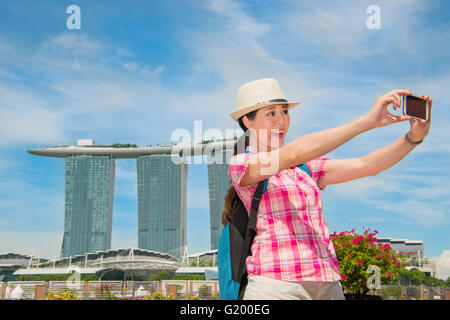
304 167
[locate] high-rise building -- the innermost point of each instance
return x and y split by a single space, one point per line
88 204
161 193
219 183
161 204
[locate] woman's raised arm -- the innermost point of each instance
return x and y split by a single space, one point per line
314 145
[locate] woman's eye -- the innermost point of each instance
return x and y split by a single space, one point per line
273 113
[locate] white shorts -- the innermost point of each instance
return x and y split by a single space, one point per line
263 288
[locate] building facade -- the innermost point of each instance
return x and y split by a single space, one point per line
161 204
89 192
414 249
89 189
218 183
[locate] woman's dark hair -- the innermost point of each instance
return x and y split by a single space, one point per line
243 141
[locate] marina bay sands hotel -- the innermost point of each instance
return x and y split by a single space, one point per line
161 181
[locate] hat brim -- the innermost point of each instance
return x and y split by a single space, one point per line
241 112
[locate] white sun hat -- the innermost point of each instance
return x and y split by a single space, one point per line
259 94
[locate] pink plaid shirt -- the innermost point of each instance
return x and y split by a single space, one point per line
292 241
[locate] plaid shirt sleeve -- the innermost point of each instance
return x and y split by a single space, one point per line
236 170
317 168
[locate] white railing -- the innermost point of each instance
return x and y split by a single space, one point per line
28 288
103 289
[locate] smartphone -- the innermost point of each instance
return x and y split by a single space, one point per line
416 107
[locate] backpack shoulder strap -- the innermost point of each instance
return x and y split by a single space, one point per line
304 167
250 234
262 186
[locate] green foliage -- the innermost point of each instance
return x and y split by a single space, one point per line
67 295
201 263
204 291
188 276
159 296
165 275
113 297
191 298
391 291
124 145
356 253
162 275
56 277
416 277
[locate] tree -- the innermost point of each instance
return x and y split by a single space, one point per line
418 277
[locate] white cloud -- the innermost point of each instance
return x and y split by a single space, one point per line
238 20
443 265
131 66
77 43
421 204
44 244
26 118
339 31
144 70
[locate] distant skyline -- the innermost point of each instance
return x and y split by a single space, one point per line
137 71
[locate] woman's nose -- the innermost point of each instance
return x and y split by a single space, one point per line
279 119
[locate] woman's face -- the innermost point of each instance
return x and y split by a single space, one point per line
270 124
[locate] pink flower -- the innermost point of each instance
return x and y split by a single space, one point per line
357 240
379 256
389 273
344 277
343 244
387 246
360 262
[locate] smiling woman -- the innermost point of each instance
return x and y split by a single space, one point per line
292 255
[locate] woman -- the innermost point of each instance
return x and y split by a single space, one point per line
292 254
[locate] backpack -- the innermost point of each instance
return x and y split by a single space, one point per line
235 244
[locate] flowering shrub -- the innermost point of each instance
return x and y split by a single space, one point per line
67 295
356 253
159 296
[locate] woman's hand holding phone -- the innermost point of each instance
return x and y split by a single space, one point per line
420 128
379 116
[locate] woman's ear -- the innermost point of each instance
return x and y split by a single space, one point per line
246 122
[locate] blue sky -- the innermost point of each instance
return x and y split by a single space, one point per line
138 70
